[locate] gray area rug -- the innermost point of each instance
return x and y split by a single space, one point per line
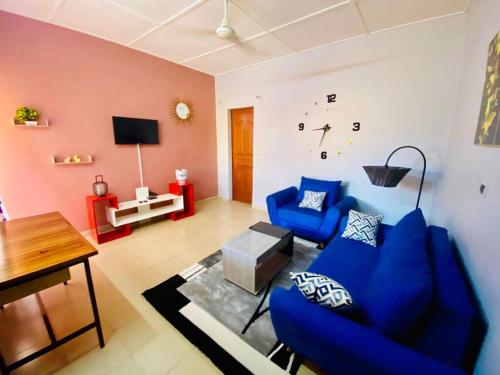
232 305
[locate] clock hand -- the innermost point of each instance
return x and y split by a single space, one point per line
325 128
322 137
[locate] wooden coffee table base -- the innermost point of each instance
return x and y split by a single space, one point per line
55 343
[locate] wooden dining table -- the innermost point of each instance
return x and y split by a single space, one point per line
32 248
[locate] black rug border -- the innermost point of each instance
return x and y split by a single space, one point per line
169 306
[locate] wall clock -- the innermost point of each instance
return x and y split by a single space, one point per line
338 131
182 111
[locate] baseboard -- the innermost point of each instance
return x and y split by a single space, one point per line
208 199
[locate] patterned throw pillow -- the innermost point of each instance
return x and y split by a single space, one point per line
362 227
322 290
313 200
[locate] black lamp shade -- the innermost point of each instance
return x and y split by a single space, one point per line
385 176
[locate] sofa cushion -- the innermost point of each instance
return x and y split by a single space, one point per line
349 262
293 215
332 189
313 200
322 290
362 227
400 289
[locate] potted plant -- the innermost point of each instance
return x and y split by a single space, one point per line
26 116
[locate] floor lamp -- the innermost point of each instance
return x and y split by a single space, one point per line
387 176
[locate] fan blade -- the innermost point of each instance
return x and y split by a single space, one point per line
247 47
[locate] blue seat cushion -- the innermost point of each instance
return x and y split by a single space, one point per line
332 189
294 216
400 288
349 262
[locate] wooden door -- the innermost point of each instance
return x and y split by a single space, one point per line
242 153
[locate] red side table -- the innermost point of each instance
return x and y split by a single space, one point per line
96 211
187 192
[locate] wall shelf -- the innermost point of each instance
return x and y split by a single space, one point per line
58 161
42 124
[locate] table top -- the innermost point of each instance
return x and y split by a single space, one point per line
35 245
251 244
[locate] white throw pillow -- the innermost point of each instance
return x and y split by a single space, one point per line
313 200
322 290
362 227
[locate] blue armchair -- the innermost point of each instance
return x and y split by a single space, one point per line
284 211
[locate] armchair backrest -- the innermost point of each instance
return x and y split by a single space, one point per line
332 189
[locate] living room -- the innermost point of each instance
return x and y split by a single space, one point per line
212 182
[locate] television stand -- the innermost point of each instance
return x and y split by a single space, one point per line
135 210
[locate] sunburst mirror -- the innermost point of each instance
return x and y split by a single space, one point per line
182 111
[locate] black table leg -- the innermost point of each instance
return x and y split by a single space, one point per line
258 313
45 318
94 303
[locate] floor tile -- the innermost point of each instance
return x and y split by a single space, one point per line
128 367
136 334
194 363
100 361
156 321
163 353
170 267
120 314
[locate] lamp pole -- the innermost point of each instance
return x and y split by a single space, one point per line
423 172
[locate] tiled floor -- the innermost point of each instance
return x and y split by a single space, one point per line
138 339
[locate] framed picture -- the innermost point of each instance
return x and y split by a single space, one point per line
488 126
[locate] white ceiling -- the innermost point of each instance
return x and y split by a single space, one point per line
183 31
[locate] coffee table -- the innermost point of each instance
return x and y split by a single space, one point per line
254 258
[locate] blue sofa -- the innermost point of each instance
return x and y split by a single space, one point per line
443 339
284 211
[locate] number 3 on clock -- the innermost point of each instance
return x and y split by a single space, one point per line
356 126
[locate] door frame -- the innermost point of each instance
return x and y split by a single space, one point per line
230 151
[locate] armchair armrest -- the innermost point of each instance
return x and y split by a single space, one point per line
346 204
339 345
334 215
278 199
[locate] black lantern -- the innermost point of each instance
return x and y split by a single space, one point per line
387 176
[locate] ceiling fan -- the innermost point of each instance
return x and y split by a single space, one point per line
225 31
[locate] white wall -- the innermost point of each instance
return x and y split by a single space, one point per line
474 221
402 84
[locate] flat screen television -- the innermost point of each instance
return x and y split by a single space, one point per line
131 131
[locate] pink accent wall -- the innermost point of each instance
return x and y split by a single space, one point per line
78 82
